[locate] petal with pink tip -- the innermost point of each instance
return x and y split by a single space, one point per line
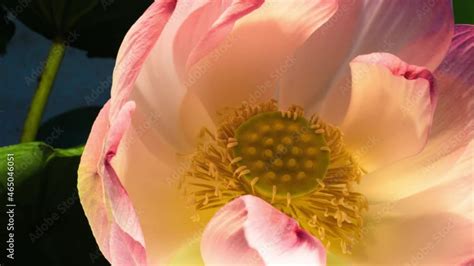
124 249
249 231
319 59
149 163
118 201
90 185
106 203
451 133
418 32
150 169
135 48
248 65
390 111
195 28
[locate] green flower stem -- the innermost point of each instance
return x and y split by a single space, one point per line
35 113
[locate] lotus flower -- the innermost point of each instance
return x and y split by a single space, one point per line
286 132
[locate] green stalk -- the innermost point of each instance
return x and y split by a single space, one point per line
40 99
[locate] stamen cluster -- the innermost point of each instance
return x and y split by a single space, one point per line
298 165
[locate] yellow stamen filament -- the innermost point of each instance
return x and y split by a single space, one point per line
232 144
274 191
252 183
236 160
319 131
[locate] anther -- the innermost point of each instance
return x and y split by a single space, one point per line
326 212
313 221
344 247
274 192
252 184
230 184
239 169
232 144
245 172
322 232
319 131
236 160
288 199
212 170
339 218
325 148
206 199
328 244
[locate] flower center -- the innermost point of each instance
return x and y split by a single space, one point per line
283 156
297 163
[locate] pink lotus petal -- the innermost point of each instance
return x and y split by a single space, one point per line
429 227
453 194
122 209
105 201
392 238
150 170
135 48
221 28
451 133
427 198
318 61
90 183
148 163
419 35
390 112
418 32
249 231
468 262
195 28
247 66
124 249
